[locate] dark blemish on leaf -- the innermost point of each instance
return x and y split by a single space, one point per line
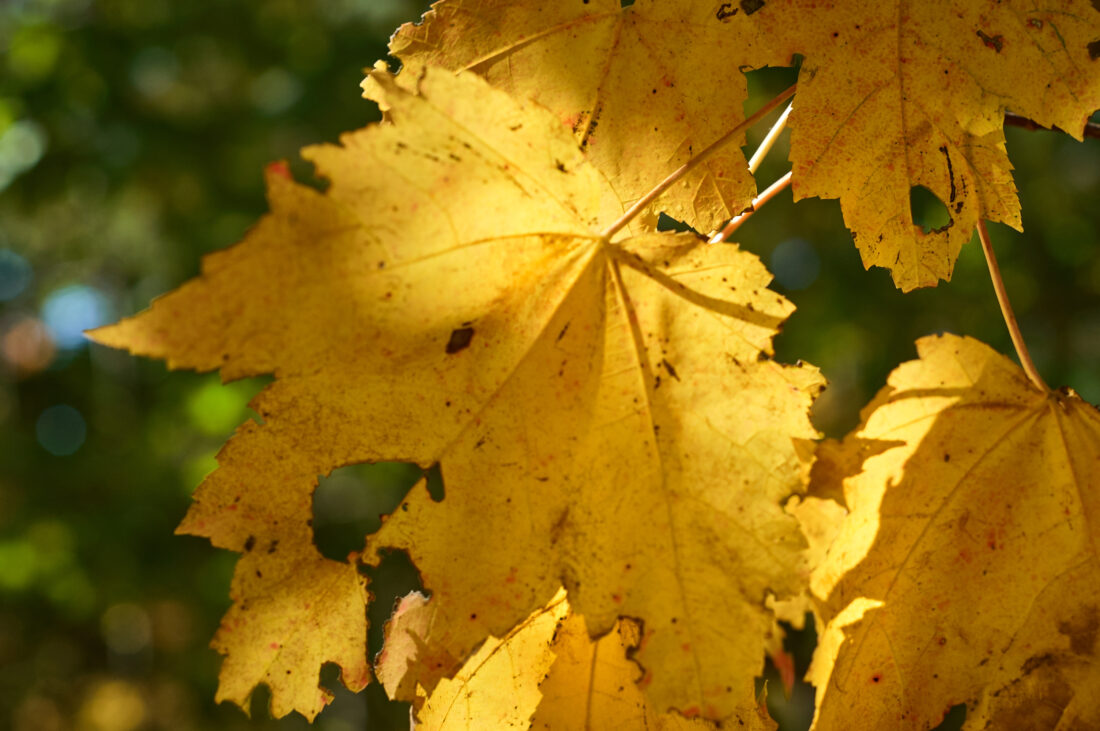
946 457
725 10
762 356
543 479
1038 24
454 157
876 678
473 616
751 6
405 507
401 146
656 383
562 333
480 443
1094 50
670 369
309 522
1082 631
460 340
258 575
250 543
274 544
516 127
996 42
381 265
950 172
560 166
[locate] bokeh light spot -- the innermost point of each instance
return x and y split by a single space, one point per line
275 91
15 275
21 147
126 629
795 264
61 430
27 346
71 310
215 408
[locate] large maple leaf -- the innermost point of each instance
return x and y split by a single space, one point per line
893 95
605 413
967 571
656 76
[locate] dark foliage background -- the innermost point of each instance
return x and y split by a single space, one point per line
133 135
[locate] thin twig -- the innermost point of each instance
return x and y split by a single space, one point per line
735 222
1092 129
769 140
694 162
1006 309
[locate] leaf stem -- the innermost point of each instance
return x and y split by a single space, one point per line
735 222
1006 309
769 140
1092 129
694 162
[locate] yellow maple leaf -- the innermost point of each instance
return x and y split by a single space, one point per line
967 571
655 76
547 673
893 95
606 413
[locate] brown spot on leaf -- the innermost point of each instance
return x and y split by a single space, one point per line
250 543
1082 631
1094 50
996 42
460 340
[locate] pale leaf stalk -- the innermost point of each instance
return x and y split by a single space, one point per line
735 222
695 162
1006 309
769 140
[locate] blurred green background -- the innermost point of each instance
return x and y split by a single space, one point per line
133 135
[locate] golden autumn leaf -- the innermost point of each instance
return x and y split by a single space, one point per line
498 687
605 413
893 95
547 673
967 571
624 79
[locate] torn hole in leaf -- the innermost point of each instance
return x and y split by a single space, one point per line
668 223
259 702
434 476
349 502
625 3
954 719
927 210
796 709
394 578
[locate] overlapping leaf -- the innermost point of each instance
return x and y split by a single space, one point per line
893 95
643 87
605 413
968 570
547 673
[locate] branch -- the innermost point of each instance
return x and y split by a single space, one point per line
694 162
1092 129
736 221
769 140
1006 310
